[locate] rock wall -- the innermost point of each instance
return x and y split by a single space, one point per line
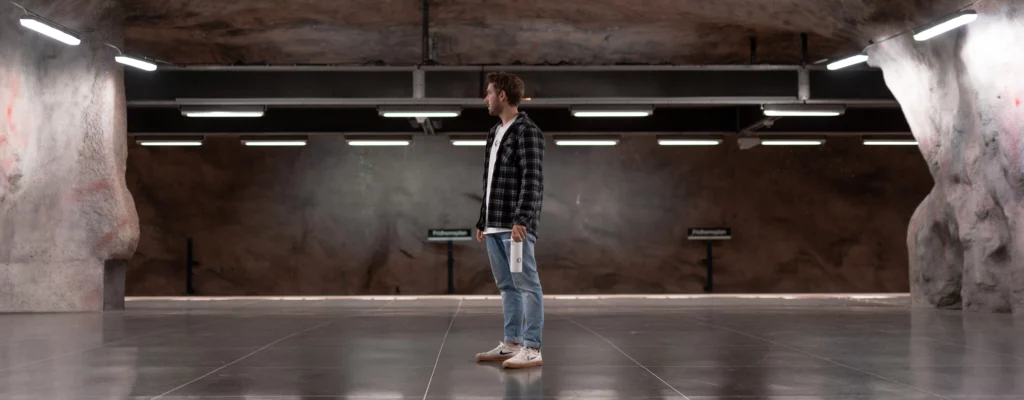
333 219
510 31
67 221
962 94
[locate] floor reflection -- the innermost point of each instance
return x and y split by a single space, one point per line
594 349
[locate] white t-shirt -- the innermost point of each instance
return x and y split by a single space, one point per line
490 175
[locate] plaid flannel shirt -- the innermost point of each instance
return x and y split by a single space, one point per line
518 183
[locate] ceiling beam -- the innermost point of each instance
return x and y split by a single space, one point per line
546 86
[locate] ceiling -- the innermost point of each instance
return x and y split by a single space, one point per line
379 35
482 32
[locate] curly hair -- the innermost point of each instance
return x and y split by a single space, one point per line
511 84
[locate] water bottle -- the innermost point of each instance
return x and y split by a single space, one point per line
515 256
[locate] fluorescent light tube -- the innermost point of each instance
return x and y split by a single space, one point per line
222 111
169 140
378 142
419 112
792 142
274 140
469 142
611 111
797 113
135 62
889 141
804 110
586 141
598 114
224 114
955 21
50 30
169 143
277 143
848 61
689 141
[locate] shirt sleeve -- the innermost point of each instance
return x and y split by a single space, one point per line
530 153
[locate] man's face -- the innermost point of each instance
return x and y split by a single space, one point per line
493 100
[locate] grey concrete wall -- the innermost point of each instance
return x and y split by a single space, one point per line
64 207
962 94
334 219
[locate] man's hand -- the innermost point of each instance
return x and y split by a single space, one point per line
518 233
479 236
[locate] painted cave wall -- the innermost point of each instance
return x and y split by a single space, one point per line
333 219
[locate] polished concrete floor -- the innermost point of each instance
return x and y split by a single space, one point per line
717 348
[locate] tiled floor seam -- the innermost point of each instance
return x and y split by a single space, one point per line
627 356
821 358
268 345
113 342
440 350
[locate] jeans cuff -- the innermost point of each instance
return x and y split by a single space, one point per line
532 344
516 340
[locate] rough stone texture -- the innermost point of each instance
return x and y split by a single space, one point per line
506 31
64 206
962 95
333 219
273 31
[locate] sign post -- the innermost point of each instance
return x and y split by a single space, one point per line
450 235
708 235
189 263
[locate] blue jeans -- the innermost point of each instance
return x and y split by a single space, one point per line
521 295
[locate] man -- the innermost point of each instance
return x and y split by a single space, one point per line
513 191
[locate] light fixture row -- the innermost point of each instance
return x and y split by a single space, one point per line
274 141
215 111
560 140
771 110
926 32
71 38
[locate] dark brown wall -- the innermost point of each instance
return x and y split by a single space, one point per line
334 219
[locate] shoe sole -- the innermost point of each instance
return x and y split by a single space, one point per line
526 365
481 358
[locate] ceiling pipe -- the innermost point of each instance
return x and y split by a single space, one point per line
753 50
803 86
803 48
426 33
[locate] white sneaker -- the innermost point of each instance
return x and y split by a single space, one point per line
525 358
501 353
